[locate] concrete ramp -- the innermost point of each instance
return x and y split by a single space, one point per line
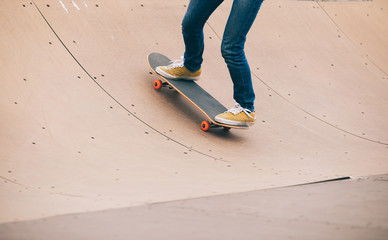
82 129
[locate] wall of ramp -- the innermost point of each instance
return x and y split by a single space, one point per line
82 129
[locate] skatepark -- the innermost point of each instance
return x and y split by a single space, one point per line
90 150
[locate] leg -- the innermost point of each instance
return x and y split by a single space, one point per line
195 18
241 18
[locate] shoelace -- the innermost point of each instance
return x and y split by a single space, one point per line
238 109
176 63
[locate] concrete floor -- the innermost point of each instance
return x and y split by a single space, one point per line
348 209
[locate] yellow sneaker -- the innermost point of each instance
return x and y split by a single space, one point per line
237 116
177 70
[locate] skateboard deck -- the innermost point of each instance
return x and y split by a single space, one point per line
196 95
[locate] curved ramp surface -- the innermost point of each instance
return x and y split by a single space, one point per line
82 129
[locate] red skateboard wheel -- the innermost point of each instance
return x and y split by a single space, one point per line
205 126
158 84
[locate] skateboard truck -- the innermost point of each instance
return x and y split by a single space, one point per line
206 125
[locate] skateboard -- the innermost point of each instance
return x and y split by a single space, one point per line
195 94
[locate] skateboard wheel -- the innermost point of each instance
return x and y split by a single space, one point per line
226 128
205 126
158 84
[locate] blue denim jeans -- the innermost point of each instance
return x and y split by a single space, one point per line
240 20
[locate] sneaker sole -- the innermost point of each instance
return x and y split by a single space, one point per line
166 75
231 122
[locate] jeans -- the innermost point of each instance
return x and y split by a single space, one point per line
240 20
